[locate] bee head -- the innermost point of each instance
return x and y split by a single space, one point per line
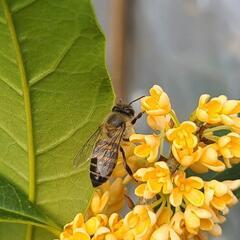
124 108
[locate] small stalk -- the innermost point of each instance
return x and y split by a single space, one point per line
162 135
174 118
157 203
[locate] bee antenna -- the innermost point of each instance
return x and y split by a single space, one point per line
136 100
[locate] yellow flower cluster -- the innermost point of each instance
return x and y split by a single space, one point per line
219 110
137 224
172 203
98 227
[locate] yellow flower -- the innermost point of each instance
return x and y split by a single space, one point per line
232 121
183 136
165 232
158 103
210 110
208 160
197 219
229 114
157 178
164 215
98 227
78 229
114 231
117 227
187 189
159 123
148 148
117 195
219 110
231 107
219 195
186 156
99 201
108 198
169 226
140 222
229 147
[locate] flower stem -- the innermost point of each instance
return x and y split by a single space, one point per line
155 204
174 118
161 208
162 135
193 116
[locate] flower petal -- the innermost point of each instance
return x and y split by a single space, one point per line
195 197
161 233
139 190
176 197
142 150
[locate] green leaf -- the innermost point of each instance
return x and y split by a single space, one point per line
237 193
220 133
229 174
15 207
54 92
232 173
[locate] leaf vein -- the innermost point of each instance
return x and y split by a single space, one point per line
53 68
15 170
11 86
21 145
74 131
20 8
60 177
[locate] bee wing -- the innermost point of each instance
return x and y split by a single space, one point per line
84 153
107 161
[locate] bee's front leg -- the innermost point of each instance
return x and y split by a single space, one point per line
128 169
137 117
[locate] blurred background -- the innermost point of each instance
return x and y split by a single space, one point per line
189 47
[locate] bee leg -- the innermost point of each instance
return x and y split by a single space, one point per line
128 169
130 202
137 117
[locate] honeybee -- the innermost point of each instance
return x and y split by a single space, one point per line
104 144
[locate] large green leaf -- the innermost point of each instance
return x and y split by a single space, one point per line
54 92
15 207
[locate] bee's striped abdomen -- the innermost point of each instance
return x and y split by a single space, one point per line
103 161
95 176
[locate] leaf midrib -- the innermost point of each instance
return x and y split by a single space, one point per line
27 104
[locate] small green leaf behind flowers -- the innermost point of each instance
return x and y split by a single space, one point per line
232 173
16 208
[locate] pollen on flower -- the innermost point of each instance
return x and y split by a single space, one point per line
150 194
